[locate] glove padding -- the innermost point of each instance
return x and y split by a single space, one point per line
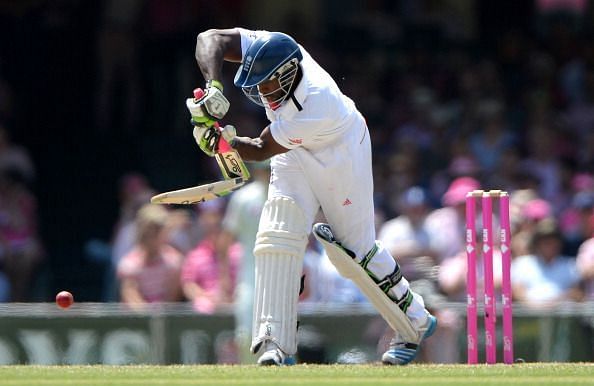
199 116
208 105
208 138
217 105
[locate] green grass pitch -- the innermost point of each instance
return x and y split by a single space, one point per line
518 374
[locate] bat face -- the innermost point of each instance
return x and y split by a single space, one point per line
231 165
199 193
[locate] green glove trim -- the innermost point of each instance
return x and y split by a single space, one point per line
214 83
203 121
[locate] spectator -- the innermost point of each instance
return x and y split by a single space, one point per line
446 226
544 276
208 278
134 192
530 214
183 230
407 236
150 272
20 248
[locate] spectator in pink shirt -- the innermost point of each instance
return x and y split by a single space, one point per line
208 276
149 273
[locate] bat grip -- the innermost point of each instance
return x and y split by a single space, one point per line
223 145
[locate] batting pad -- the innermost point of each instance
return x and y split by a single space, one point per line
280 246
342 259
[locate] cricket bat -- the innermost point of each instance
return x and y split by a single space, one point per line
201 193
234 171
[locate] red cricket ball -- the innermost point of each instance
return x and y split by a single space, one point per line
64 299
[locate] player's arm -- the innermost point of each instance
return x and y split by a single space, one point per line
215 46
257 149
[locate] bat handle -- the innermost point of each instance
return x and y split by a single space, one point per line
198 93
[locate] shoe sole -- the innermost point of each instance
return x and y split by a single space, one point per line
269 362
288 361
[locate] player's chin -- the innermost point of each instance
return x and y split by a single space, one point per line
273 103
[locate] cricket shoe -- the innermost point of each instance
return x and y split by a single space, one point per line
274 356
402 353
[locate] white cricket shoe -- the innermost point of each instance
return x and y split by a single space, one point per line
273 356
401 352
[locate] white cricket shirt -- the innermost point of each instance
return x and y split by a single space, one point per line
329 162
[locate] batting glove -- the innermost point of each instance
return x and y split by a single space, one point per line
215 102
208 105
208 138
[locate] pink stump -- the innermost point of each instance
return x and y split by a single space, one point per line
471 314
490 315
506 291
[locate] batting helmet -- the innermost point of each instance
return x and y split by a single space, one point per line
274 55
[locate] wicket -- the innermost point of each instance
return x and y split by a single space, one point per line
486 204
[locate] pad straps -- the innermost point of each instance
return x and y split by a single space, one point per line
389 281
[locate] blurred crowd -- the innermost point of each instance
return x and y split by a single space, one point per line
451 109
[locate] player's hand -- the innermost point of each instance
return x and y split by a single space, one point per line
200 118
208 105
208 139
215 102
228 133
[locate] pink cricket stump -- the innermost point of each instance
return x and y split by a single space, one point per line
471 314
506 291
490 315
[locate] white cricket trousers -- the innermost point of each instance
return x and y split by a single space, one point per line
339 179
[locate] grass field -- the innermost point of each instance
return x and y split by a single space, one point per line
519 374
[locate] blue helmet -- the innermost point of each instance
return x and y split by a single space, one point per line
274 55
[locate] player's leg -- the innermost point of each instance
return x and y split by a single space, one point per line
355 252
280 246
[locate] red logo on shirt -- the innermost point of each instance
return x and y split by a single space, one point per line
346 202
296 141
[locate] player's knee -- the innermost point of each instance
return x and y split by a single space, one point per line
282 228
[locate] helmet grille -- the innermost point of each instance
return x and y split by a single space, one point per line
285 75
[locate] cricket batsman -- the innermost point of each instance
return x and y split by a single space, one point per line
320 152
